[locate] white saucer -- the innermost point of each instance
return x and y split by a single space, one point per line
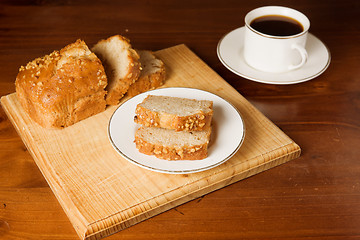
226 138
230 53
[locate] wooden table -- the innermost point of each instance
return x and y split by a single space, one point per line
315 196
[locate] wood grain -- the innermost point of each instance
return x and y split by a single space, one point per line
102 193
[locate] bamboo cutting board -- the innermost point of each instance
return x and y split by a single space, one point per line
102 193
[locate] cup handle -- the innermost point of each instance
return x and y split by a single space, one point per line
303 54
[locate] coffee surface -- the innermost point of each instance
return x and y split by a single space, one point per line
277 25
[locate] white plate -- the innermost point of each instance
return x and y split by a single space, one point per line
230 53
226 138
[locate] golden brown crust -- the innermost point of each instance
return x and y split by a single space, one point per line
197 152
64 87
196 122
146 83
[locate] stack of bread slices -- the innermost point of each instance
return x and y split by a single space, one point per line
72 84
173 128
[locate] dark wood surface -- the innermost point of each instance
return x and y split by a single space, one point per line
316 196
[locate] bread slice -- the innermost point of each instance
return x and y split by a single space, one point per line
122 65
180 114
64 87
171 145
152 74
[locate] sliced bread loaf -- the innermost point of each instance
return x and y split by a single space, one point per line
152 74
180 114
122 66
171 145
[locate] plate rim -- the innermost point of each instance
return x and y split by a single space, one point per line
252 78
178 171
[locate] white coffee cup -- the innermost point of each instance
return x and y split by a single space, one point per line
276 54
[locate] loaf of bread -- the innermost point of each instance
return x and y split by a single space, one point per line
122 65
152 74
69 85
171 145
180 114
64 87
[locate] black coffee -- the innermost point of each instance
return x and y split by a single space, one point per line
277 25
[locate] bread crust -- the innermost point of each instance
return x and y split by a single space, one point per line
64 87
195 152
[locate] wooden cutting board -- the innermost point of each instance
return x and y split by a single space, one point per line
102 193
